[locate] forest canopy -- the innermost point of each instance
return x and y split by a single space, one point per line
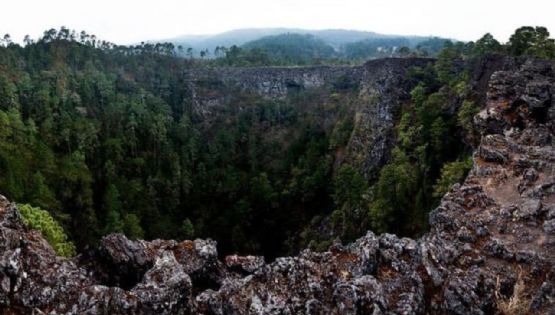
99 138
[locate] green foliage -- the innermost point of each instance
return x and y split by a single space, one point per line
374 48
465 117
187 229
404 192
349 186
394 192
106 138
132 226
430 47
114 222
52 231
451 173
349 190
240 57
305 49
393 47
293 48
487 44
447 65
534 41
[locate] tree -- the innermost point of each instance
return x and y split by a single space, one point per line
465 117
528 40
349 190
187 229
349 186
8 93
132 227
107 138
112 205
394 195
7 40
41 194
27 40
404 51
446 65
487 44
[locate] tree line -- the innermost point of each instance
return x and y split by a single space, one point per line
104 137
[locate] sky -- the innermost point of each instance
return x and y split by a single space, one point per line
132 21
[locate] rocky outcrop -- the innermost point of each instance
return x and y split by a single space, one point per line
381 85
268 82
490 248
384 87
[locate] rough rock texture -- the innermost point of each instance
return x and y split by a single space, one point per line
491 239
269 82
383 88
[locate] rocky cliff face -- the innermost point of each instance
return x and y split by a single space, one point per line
490 248
382 87
269 82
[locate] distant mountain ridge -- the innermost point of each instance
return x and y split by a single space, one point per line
336 38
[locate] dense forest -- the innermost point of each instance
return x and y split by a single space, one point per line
99 138
304 47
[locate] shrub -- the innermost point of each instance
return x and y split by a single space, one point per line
188 229
51 230
518 303
466 115
451 173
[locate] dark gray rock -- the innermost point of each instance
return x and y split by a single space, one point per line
244 264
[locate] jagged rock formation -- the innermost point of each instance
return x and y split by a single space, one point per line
490 249
382 88
269 82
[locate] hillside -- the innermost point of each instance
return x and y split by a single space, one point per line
337 39
489 249
293 48
334 37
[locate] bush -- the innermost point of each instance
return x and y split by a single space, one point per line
451 173
51 230
132 227
466 115
188 229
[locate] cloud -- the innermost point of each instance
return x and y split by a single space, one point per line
129 21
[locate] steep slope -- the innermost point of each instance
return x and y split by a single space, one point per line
381 88
490 248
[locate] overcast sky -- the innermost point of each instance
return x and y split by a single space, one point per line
130 21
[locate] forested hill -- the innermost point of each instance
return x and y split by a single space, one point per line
107 139
331 45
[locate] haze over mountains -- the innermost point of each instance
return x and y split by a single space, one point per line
337 39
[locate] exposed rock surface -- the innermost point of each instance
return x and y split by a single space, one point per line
382 84
269 82
491 238
384 87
